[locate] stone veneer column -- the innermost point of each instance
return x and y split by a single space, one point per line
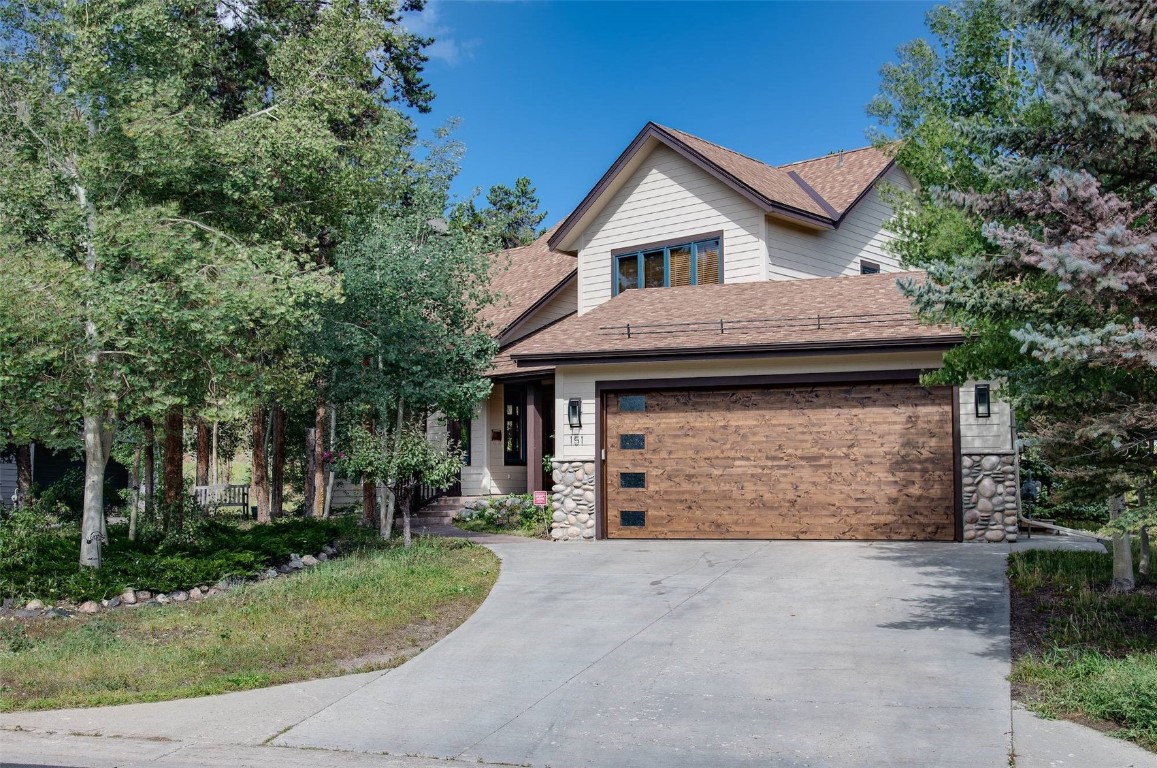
573 500
991 498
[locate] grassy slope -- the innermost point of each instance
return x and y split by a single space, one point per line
362 612
1079 652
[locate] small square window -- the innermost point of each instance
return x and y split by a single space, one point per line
632 519
632 479
632 403
983 401
869 268
632 442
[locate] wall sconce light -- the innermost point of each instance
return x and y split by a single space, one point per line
574 412
983 401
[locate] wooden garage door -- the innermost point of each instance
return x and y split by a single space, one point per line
863 461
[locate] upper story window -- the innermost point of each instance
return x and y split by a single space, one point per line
664 265
869 267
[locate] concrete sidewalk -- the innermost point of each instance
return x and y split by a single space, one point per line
645 654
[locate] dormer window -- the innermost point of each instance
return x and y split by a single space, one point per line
664 265
869 267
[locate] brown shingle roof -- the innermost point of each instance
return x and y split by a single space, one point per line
522 277
504 365
767 180
842 178
773 316
818 191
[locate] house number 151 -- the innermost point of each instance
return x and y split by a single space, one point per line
574 440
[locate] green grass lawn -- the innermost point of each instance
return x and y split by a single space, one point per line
1079 652
370 610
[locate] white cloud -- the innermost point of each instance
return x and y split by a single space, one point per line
447 47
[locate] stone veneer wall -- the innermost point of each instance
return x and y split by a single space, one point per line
991 496
573 500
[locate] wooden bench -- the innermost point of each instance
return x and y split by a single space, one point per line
218 496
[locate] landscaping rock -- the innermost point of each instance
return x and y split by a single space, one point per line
89 606
283 569
213 591
129 597
163 599
59 613
309 561
322 557
180 596
143 595
272 573
34 605
295 563
24 613
195 594
994 534
112 602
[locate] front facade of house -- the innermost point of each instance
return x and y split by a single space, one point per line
712 347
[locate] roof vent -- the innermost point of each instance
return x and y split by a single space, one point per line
840 159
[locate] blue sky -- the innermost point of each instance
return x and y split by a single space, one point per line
556 90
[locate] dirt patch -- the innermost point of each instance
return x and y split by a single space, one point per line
397 650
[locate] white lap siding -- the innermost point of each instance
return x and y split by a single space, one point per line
798 252
668 198
979 434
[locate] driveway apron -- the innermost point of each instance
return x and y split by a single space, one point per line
695 653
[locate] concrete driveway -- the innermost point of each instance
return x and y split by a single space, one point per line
683 653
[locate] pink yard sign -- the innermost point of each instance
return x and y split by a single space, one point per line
540 498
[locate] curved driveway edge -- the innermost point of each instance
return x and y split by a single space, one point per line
707 653
646 653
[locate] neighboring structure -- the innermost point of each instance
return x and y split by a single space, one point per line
49 467
709 346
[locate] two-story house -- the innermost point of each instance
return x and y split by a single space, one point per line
712 347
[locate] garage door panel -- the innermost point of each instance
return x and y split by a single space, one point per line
864 461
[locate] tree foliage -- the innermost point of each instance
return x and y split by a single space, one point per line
174 175
1035 218
510 219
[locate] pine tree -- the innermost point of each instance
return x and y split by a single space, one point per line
1047 253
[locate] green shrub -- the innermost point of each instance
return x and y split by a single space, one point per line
516 513
38 554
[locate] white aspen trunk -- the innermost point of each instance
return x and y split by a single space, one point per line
98 436
388 528
98 424
332 447
1143 566
1122 552
138 489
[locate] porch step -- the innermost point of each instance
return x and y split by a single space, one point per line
441 511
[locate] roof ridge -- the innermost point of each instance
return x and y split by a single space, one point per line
719 146
829 154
